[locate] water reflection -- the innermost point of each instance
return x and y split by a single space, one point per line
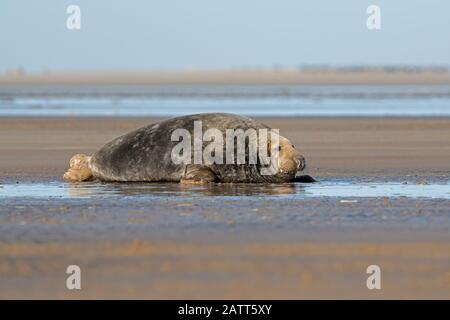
177 190
342 189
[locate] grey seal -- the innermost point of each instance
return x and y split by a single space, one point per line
146 155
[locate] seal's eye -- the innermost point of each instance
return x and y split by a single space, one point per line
279 148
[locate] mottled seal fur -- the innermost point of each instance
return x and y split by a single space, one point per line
145 155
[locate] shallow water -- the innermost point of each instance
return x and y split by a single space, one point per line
340 189
261 100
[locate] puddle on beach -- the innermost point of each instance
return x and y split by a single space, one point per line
340 189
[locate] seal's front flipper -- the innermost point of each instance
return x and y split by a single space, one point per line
198 174
304 179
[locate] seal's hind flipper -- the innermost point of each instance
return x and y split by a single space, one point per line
79 169
304 179
198 174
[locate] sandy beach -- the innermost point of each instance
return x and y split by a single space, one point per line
361 91
240 76
247 248
39 147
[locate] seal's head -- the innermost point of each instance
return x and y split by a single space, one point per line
79 168
285 161
290 159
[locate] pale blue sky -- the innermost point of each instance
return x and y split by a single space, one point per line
172 34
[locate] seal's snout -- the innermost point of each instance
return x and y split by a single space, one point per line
79 168
301 163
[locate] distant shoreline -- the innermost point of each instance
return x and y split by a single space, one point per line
303 76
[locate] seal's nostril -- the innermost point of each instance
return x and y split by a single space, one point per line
301 163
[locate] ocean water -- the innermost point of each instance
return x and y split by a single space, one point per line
260 100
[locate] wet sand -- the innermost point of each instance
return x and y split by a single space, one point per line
37 148
248 247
